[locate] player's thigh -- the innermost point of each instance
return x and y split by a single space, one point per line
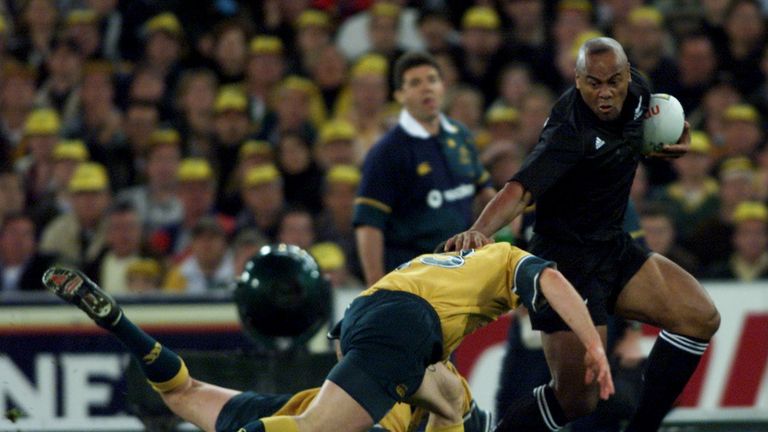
661 293
334 410
198 402
565 357
442 393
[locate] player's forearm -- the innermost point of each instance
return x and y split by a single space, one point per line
506 205
370 250
564 299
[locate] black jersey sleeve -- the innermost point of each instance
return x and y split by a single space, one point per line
558 150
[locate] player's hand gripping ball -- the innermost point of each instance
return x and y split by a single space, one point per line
663 123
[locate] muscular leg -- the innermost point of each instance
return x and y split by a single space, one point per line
665 295
442 394
198 403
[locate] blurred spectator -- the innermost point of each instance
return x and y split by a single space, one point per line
245 245
17 96
437 32
112 24
155 199
127 161
334 224
697 65
693 197
365 105
122 247
465 105
21 265
533 114
61 88
143 275
502 159
297 227
148 85
38 24
253 153
527 22
266 67
503 124
515 82
298 107
647 48
196 191
480 43
335 146
263 201
195 98
710 241
210 266
35 162
67 155
742 132
164 47
382 30
81 26
79 236
99 120
12 198
230 50
302 178
749 260
354 39
329 72
709 117
572 18
660 236
231 128
744 26
313 32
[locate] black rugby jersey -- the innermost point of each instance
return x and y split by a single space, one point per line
582 168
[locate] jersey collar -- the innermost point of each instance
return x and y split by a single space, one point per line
416 130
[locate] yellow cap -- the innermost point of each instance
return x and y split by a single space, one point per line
42 121
348 174
194 169
750 210
700 142
370 64
502 114
266 44
89 177
335 130
255 147
738 165
577 5
81 16
71 150
646 14
385 9
329 256
741 112
482 17
164 22
313 17
230 98
164 136
143 267
295 82
260 175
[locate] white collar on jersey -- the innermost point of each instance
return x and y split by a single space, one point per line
416 130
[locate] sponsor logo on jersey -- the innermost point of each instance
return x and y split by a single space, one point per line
435 198
423 169
599 142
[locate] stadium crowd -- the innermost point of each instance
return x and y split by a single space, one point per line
157 145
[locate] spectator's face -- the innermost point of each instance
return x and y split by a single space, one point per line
41 146
86 36
11 193
162 49
568 25
140 122
339 199
97 91
532 117
102 7
209 249
231 127
265 199
65 64
330 68
659 233
696 61
293 154
742 137
736 188
63 170
436 33
515 84
89 206
292 108
467 108
297 228
199 95
266 69
693 165
196 197
525 13
422 92
383 33
480 41
41 15
745 24
369 92
312 39
17 242
231 50
18 93
162 165
124 233
750 239
147 87
646 37
336 152
604 85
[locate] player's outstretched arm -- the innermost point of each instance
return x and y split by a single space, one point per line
564 299
506 205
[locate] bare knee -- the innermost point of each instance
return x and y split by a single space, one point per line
700 318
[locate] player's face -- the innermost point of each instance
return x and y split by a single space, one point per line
604 84
422 92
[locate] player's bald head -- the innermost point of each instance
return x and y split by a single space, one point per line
600 45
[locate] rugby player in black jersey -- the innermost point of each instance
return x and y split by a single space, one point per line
579 176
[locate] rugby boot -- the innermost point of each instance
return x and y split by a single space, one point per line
76 288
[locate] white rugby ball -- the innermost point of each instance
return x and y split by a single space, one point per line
663 122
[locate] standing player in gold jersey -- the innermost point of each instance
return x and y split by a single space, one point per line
397 334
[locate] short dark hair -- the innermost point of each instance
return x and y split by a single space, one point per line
411 60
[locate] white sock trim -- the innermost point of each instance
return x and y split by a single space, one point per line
546 414
684 343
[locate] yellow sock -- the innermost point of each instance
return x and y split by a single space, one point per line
282 424
459 427
180 378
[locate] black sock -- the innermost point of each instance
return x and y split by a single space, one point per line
539 411
163 368
672 362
